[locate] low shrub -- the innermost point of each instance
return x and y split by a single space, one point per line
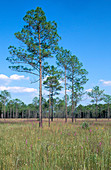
85 125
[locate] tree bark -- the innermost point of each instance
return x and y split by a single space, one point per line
40 83
96 109
29 114
22 113
16 112
108 112
52 106
72 101
49 107
4 110
13 112
10 112
7 113
65 98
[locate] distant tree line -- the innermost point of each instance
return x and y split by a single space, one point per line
17 109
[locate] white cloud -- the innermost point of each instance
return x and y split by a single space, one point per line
18 89
61 81
3 77
13 77
17 77
101 80
68 90
45 78
2 88
88 90
107 83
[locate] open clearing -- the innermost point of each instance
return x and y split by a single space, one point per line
63 146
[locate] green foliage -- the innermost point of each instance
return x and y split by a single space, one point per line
52 85
4 96
96 94
63 57
77 77
40 39
35 101
52 82
107 98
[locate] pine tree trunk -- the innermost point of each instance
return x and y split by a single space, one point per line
49 107
72 101
7 113
40 84
13 112
52 106
16 113
29 114
75 110
108 112
10 112
65 98
22 113
26 113
40 98
2 114
4 110
80 114
96 109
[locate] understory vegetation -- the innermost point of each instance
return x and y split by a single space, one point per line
63 146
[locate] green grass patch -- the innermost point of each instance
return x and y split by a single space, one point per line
63 146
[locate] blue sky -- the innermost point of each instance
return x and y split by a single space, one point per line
85 29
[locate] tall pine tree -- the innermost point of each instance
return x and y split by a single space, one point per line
41 41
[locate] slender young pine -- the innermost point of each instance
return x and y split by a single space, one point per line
49 104
63 57
52 85
40 41
77 76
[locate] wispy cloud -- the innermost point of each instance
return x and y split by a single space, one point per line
17 77
68 90
61 80
88 90
13 77
45 78
63 91
16 89
107 83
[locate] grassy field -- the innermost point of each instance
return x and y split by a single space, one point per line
63 146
